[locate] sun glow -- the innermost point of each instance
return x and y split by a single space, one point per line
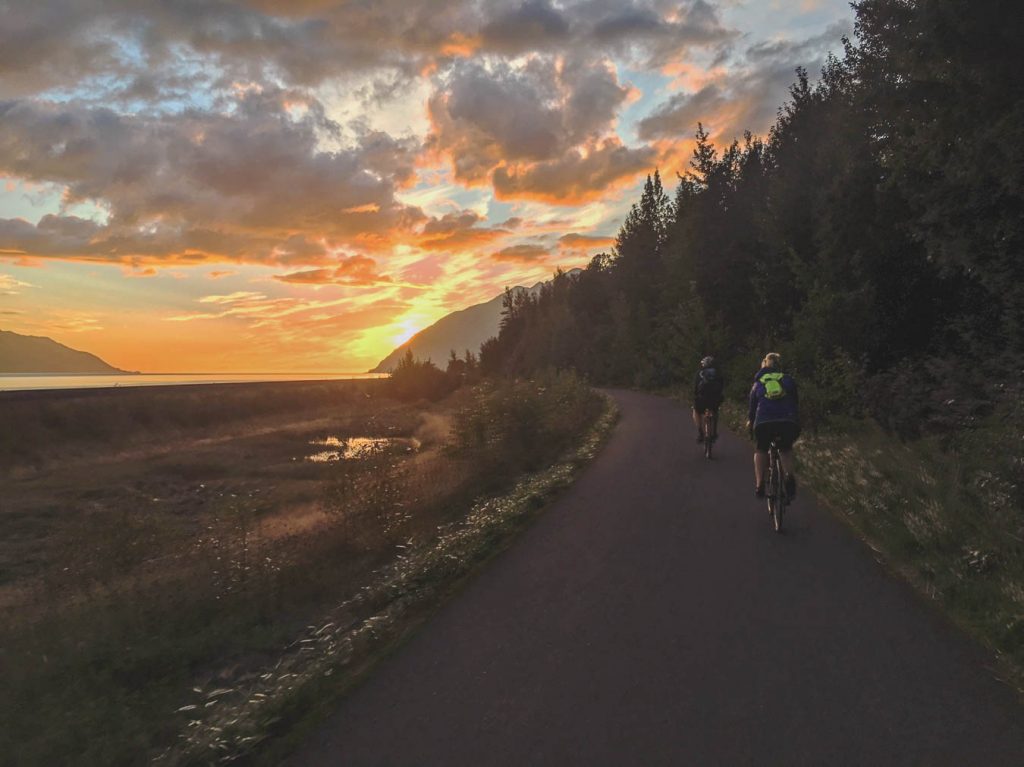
407 329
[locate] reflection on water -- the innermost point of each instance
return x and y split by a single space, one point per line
349 448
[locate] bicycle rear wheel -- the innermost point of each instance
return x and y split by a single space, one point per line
777 494
708 436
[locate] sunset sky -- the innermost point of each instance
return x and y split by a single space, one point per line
262 186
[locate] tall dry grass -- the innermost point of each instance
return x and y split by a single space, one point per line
41 426
139 609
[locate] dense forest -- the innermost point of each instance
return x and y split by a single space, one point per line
873 237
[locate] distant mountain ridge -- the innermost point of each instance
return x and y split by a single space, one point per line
461 330
38 354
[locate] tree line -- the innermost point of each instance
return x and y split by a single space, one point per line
873 237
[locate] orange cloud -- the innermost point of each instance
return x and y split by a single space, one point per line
574 241
690 76
139 272
353 270
575 248
522 253
674 156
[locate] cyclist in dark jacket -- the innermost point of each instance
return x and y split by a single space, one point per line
708 394
773 414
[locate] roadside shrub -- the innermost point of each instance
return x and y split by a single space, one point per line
514 426
833 391
415 379
931 395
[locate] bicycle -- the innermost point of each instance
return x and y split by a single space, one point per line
775 488
707 427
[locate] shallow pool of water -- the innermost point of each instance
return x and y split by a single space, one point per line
354 448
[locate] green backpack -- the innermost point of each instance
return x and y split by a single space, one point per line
773 385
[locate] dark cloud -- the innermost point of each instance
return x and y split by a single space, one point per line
50 43
450 223
253 183
44 45
680 114
534 24
749 95
71 237
656 33
503 123
483 117
576 176
456 231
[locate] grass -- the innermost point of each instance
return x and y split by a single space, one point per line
138 587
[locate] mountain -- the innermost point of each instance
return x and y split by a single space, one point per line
35 354
461 330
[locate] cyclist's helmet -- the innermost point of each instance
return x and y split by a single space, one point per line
707 362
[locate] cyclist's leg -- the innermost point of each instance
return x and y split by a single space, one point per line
760 469
786 459
698 409
788 435
714 421
763 439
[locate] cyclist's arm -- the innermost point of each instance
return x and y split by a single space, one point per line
752 405
796 395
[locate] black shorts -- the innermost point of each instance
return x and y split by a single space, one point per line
706 404
785 431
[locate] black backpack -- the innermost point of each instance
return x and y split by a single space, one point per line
709 383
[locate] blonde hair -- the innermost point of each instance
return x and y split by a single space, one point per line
771 360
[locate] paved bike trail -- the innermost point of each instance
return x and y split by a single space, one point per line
651 617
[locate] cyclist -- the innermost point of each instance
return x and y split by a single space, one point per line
708 394
773 414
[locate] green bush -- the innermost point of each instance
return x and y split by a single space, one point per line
514 426
414 379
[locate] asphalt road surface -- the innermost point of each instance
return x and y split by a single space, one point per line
651 617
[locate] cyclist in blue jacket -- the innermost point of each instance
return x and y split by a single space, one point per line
773 414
